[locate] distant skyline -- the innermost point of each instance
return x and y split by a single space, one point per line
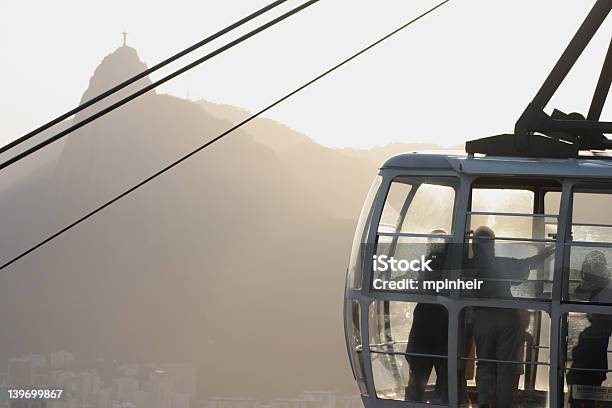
465 71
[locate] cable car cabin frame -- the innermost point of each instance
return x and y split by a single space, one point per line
537 176
542 158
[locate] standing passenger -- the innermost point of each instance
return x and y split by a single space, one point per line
429 334
498 332
590 355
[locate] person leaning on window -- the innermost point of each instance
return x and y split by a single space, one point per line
498 332
429 333
591 351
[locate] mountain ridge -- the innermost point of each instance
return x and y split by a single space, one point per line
206 265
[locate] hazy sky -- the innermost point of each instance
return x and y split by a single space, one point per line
465 71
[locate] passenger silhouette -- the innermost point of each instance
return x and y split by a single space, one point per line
498 332
591 351
429 333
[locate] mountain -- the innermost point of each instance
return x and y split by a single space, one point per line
380 154
233 261
340 175
262 130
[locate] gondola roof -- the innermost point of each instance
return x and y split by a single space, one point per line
585 166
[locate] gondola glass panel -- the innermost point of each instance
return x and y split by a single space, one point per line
588 381
415 224
355 269
505 357
418 206
590 248
408 346
511 235
591 216
353 314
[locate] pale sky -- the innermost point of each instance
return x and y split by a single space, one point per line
465 71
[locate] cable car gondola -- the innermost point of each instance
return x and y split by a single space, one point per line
527 214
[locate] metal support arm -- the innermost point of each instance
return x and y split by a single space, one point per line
524 127
603 87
